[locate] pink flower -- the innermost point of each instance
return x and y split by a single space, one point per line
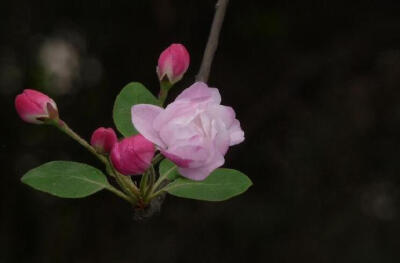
103 139
173 63
194 131
33 106
132 155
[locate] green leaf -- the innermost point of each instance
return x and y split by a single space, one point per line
132 94
220 185
66 179
168 167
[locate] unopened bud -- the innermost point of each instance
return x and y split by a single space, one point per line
103 139
35 107
173 63
132 155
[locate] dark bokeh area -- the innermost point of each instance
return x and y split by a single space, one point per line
315 84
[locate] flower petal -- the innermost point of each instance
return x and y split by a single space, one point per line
176 159
222 140
237 134
223 113
201 173
199 91
175 133
143 116
188 155
182 112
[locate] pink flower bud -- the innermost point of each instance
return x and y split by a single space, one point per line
103 139
173 63
132 155
34 107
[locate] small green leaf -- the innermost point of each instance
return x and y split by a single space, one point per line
66 179
132 94
220 185
166 166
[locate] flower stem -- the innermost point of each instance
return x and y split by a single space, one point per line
61 125
151 176
157 159
164 88
120 194
121 180
144 182
154 195
212 43
129 184
162 178
131 193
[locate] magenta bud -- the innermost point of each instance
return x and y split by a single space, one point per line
35 107
132 155
103 139
173 63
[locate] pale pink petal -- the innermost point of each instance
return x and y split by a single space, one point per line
201 173
222 140
174 133
205 125
223 113
192 155
176 159
181 112
215 131
199 91
143 116
237 134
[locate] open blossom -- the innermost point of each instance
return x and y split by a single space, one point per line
194 131
173 63
33 106
103 139
132 155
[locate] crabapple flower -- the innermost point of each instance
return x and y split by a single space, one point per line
194 131
33 106
132 155
173 63
103 139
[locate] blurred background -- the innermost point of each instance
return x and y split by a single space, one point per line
315 84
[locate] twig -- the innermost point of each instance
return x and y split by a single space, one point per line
212 42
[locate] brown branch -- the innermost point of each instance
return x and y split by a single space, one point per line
212 42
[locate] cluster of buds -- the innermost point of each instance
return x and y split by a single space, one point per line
130 156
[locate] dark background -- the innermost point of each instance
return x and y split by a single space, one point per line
315 84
